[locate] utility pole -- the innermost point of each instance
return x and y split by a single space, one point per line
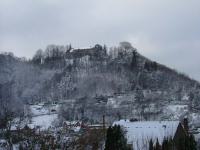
104 127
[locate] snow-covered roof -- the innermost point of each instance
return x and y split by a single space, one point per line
139 133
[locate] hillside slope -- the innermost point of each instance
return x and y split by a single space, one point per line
118 82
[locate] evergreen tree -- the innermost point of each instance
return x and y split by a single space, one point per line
165 144
185 125
157 146
155 66
193 144
151 145
182 144
115 139
109 139
170 144
134 60
146 66
187 143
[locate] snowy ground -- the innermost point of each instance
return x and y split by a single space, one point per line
43 116
176 111
41 109
44 121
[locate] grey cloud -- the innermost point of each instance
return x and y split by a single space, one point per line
167 31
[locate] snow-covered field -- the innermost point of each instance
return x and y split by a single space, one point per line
43 116
44 121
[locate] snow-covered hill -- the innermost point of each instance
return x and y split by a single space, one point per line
88 83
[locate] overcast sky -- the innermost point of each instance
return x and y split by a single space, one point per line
167 31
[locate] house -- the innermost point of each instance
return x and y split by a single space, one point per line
73 125
96 51
139 133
